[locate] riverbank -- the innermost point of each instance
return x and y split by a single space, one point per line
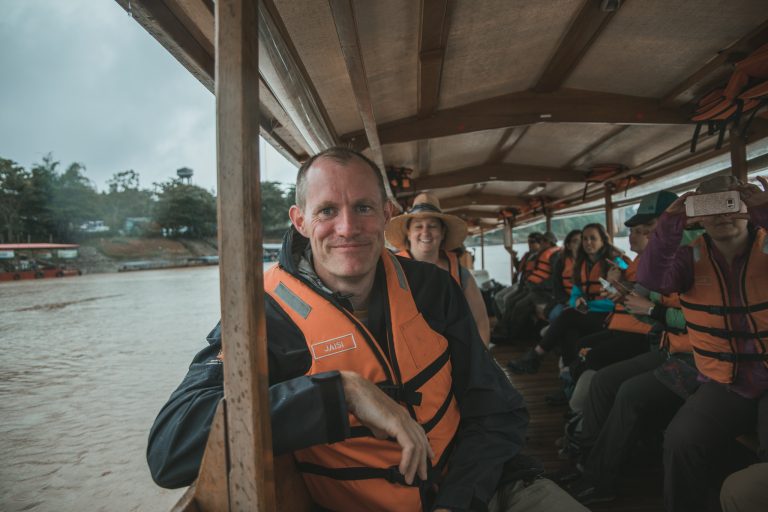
103 255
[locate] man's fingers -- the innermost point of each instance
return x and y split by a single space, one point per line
407 468
764 182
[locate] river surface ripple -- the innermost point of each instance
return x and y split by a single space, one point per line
87 363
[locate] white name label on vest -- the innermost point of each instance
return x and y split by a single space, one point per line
333 346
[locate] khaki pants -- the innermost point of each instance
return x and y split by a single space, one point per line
541 496
745 490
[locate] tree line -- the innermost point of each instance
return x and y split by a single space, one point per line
50 203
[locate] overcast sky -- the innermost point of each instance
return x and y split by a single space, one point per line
81 79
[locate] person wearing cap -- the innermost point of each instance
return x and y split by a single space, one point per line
505 299
722 279
425 233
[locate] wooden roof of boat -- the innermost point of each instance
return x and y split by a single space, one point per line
491 104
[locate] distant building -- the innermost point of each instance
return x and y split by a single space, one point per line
94 226
135 225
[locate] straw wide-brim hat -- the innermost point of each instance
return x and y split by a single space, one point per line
426 205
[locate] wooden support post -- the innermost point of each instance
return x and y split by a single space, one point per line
482 249
609 211
509 244
738 155
251 476
548 216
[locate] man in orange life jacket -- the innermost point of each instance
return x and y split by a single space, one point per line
379 383
722 278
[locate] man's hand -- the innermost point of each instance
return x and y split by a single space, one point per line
374 409
637 304
752 196
678 205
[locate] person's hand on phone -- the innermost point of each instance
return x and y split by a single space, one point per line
637 304
678 205
580 305
751 194
614 273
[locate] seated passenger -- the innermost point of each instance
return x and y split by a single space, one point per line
627 336
631 399
405 410
538 285
562 275
746 490
425 233
506 299
588 309
723 286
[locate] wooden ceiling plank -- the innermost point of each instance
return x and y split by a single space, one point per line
525 108
197 17
584 30
163 25
746 44
590 151
434 24
346 28
496 172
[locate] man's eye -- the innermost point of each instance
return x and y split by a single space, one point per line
364 208
326 212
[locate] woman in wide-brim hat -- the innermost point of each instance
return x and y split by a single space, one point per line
425 233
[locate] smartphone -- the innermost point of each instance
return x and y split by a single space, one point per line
716 203
582 308
607 286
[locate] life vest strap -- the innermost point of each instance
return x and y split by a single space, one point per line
725 333
401 394
362 431
430 371
390 474
731 357
724 310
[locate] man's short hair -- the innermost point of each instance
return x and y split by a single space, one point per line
341 156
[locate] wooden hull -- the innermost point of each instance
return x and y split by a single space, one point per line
39 274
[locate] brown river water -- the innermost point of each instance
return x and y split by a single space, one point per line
87 363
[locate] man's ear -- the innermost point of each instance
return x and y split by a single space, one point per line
298 220
388 209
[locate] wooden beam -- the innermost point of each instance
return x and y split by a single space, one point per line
509 139
474 213
346 28
501 200
609 227
183 38
584 30
435 19
736 51
524 108
251 478
496 172
590 151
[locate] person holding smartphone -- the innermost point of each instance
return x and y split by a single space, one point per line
588 307
722 279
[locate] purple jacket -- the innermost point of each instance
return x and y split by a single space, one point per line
666 267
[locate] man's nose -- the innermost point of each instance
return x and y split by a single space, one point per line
347 223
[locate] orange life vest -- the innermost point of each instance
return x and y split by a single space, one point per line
360 473
674 341
453 263
707 310
542 266
623 320
567 276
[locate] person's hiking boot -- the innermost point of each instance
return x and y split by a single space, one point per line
557 399
529 363
586 491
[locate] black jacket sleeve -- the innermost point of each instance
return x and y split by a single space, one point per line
178 437
558 291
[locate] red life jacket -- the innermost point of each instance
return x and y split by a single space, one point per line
453 263
360 473
707 310
542 266
623 320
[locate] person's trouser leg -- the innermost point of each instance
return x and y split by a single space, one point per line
746 490
581 391
541 496
604 386
695 441
520 315
641 402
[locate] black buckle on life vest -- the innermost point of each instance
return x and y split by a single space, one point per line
401 394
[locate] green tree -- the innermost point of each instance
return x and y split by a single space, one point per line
14 180
125 199
275 202
74 201
185 209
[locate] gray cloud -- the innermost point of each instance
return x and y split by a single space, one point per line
83 80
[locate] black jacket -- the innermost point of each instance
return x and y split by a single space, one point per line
493 415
